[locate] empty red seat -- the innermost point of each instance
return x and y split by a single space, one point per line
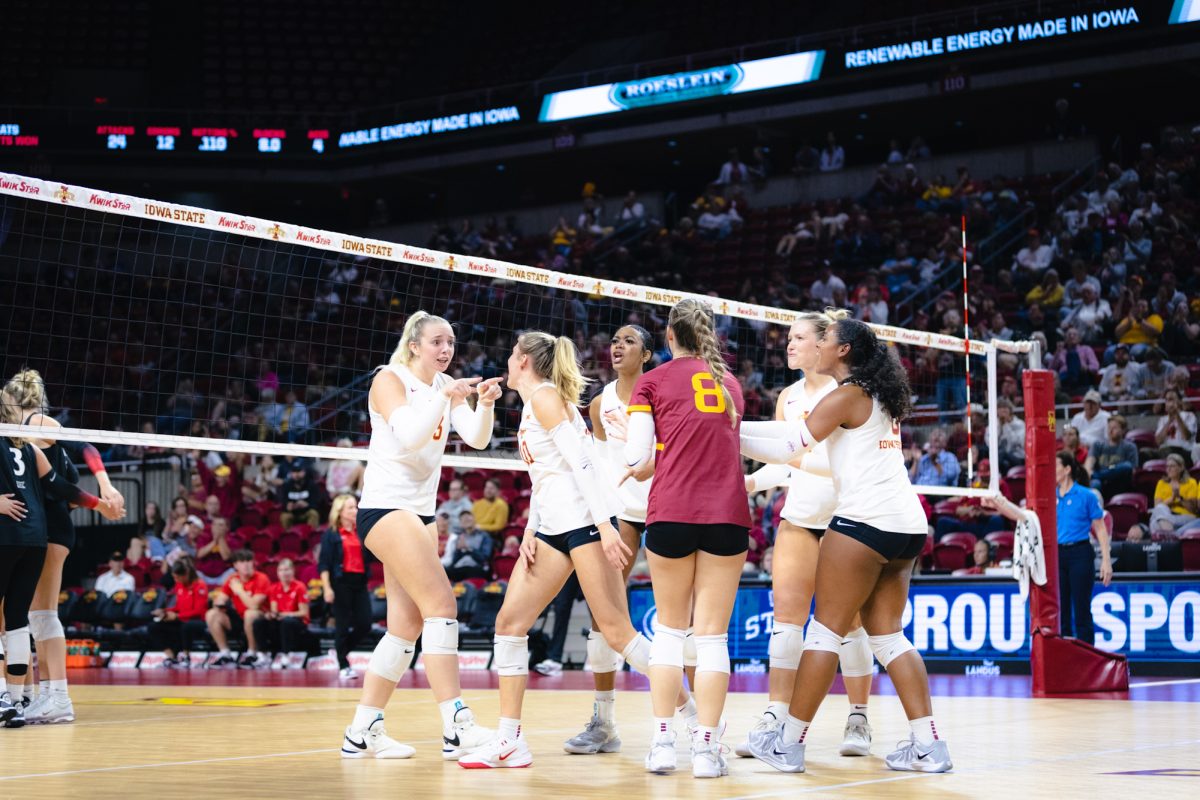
1190 543
962 538
1003 540
948 557
1134 499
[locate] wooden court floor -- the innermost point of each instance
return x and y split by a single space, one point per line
258 742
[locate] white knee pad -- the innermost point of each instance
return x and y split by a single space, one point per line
19 650
889 646
637 653
855 655
511 655
667 648
600 657
392 657
45 625
786 646
712 653
689 648
439 637
821 638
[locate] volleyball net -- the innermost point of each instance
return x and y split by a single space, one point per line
163 327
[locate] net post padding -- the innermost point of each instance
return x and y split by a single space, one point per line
1060 665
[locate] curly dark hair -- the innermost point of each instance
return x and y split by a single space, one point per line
873 369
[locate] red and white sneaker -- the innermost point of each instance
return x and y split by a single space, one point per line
498 754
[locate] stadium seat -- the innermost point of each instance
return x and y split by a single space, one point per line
1123 516
1142 437
466 596
379 603
927 554
291 543
1146 478
1003 540
1190 544
1134 499
961 538
503 566
1016 482
949 557
261 544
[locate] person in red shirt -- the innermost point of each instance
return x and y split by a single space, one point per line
698 523
241 601
343 568
225 483
284 624
182 621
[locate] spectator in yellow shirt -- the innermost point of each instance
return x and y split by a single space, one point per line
1175 498
1140 329
1049 293
491 512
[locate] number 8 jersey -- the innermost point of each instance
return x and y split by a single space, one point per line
698 467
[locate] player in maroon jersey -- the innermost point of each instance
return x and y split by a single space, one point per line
697 527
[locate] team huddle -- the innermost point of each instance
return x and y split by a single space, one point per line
663 459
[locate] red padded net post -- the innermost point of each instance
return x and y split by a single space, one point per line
1059 665
1039 492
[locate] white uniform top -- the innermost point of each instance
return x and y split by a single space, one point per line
634 495
811 499
869 477
405 479
560 505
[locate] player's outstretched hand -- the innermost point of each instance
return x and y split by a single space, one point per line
619 423
489 391
109 510
459 389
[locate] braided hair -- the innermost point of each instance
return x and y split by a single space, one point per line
692 323
873 369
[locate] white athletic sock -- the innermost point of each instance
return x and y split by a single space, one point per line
59 686
859 709
688 709
509 729
3 680
794 730
779 709
27 691
449 708
606 703
44 686
662 727
364 716
924 731
708 735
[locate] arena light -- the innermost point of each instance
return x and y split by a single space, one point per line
679 87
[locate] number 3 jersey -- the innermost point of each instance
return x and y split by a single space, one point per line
19 477
396 478
698 470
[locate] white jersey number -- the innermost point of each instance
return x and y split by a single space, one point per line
19 458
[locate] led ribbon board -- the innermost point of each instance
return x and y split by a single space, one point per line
681 87
1185 11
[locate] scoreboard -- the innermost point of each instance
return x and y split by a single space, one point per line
161 137
173 138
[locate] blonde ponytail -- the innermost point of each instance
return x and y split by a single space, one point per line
23 393
413 326
556 360
692 323
821 320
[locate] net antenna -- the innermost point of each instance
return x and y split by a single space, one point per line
59 235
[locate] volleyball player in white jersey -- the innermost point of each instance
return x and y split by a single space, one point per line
805 516
866 558
631 349
572 526
412 404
